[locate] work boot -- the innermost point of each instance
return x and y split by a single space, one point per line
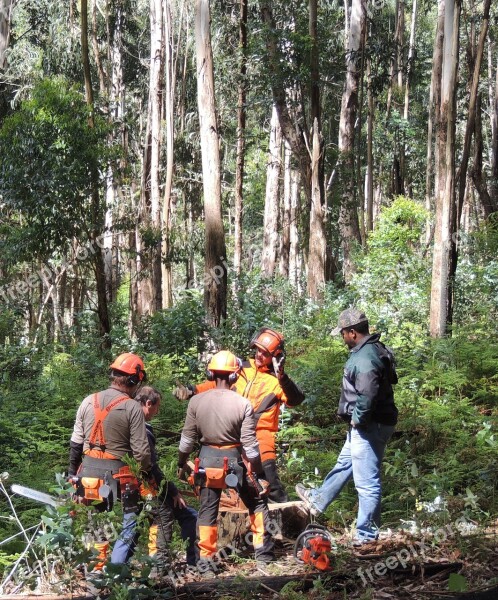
277 491
304 494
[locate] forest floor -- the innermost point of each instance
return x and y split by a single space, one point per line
400 565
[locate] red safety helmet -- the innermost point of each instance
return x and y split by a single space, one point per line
132 365
268 339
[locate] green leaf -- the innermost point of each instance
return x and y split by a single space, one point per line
457 583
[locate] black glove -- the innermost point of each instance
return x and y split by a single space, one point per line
278 365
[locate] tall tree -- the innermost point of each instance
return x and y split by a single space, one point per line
434 111
317 249
149 230
241 136
272 197
96 207
173 15
215 273
441 286
348 212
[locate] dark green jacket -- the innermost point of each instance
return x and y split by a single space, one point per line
367 385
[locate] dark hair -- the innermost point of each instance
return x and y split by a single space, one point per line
148 393
359 328
120 379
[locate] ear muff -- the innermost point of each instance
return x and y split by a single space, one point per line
232 378
139 377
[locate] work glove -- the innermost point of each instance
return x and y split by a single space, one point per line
278 365
182 392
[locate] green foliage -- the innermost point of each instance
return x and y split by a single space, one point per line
177 331
49 153
393 278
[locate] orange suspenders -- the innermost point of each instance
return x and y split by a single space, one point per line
97 434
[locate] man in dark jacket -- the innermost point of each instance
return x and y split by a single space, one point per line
367 405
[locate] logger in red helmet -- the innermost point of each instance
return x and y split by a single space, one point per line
110 425
264 382
223 422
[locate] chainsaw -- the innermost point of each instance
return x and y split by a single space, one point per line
314 547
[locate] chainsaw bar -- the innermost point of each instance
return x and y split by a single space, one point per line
35 495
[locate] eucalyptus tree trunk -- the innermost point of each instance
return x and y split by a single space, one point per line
116 171
215 272
348 212
96 208
272 197
288 118
151 179
317 249
431 178
286 213
5 18
493 101
370 165
241 136
441 287
295 259
411 58
476 173
477 56
172 53
395 68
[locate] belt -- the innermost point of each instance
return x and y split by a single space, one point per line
222 446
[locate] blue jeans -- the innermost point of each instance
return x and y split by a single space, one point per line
125 544
360 459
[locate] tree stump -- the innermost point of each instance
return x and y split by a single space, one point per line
287 520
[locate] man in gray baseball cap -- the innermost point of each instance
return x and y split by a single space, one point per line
367 405
349 318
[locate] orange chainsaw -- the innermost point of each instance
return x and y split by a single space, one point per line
314 547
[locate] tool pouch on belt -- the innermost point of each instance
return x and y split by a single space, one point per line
96 480
90 487
217 464
215 478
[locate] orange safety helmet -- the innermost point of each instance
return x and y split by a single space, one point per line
224 362
268 339
132 365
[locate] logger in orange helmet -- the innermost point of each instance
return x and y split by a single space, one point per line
264 382
110 425
223 422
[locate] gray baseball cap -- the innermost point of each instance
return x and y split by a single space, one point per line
349 318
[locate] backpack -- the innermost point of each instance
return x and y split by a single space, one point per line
386 355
